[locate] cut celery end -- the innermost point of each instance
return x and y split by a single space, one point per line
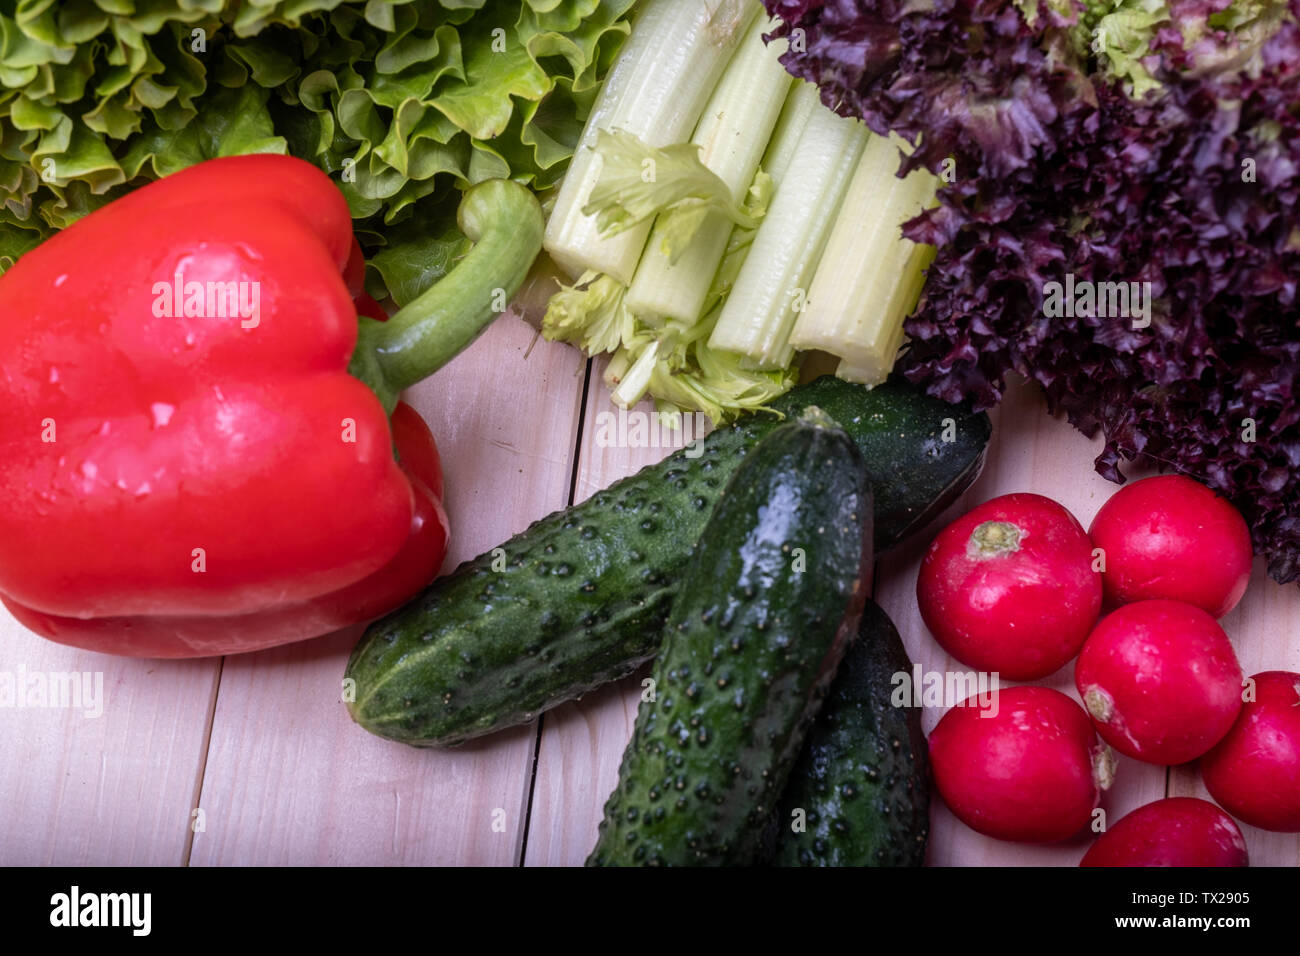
636 380
870 276
617 367
866 325
771 290
662 287
872 368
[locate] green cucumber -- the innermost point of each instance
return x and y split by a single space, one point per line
580 597
769 602
859 795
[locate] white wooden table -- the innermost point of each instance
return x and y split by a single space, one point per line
253 759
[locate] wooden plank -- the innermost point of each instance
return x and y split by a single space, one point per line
290 779
113 789
582 741
1033 452
1263 628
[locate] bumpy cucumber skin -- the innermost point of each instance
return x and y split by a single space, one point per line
753 640
862 779
581 596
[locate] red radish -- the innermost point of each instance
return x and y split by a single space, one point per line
1176 831
1026 767
1009 587
1160 680
1254 772
1173 538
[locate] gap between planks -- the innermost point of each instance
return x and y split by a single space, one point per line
541 718
197 794
289 778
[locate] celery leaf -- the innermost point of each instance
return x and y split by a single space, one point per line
638 182
591 312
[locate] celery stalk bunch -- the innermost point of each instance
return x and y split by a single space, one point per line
710 196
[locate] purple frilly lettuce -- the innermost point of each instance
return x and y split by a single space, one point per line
1054 167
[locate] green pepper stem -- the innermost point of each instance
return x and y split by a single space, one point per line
504 222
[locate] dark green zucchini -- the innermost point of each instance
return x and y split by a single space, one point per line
580 598
769 602
859 795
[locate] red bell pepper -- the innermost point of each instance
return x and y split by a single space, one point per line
195 454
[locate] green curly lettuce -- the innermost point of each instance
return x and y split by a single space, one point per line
399 101
1121 34
1212 35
